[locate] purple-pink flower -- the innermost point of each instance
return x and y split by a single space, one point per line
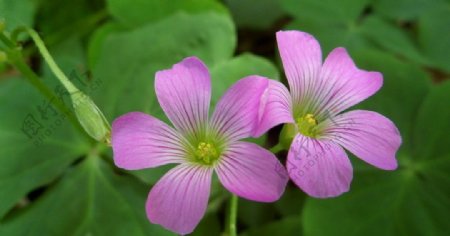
201 145
319 93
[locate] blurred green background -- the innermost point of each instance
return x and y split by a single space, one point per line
55 181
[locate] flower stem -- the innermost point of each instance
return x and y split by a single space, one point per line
51 63
233 215
277 148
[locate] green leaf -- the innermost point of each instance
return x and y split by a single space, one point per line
151 176
17 13
139 12
291 203
58 20
434 36
89 199
128 60
36 147
326 11
97 39
229 72
254 214
209 225
253 14
405 9
332 36
391 38
333 23
433 127
285 227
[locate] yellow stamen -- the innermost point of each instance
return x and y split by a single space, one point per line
206 152
307 125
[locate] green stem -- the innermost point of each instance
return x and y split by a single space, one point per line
277 148
6 41
233 215
51 63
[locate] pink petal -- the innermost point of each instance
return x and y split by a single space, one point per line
236 114
184 93
179 199
302 60
344 85
320 168
252 172
141 141
369 135
275 108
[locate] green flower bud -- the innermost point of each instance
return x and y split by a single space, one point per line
90 117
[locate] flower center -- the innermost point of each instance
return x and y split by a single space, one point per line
307 125
206 153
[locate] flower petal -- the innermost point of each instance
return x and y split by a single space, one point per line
369 135
321 168
179 199
252 172
344 85
275 108
141 141
236 113
184 93
302 60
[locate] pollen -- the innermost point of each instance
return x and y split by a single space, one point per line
307 125
206 153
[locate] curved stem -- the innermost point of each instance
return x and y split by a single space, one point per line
51 63
233 215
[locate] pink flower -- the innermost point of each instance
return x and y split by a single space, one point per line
200 145
317 163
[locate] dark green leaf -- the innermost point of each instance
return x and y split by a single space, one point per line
326 11
139 12
288 226
36 147
434 36
432 132
89 200
17 13
260 14
405 9
391 38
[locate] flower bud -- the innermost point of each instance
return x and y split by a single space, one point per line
90 117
